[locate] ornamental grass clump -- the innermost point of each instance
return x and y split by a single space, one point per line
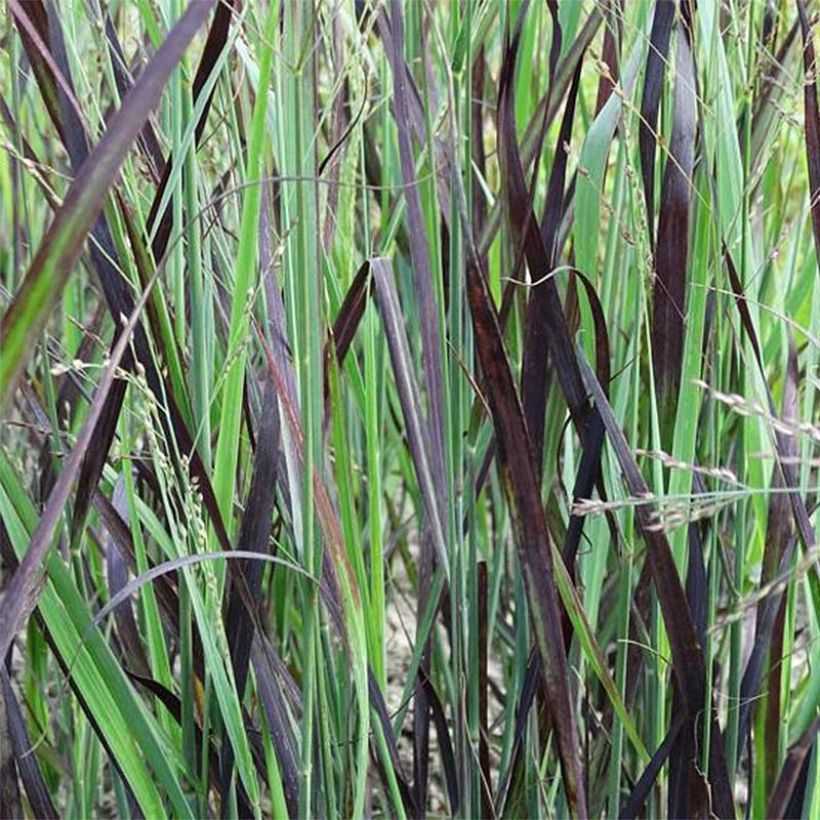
408 408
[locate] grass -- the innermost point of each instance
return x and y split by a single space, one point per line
409 408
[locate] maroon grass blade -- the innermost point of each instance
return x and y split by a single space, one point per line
10 805
419 444
611 54
274 705
254 535
672 251
779 533
148 140
533 541
688 795
650 101
812 123
546 331
528 234
21 751
796 759
347 324
640 791
419 249
117 577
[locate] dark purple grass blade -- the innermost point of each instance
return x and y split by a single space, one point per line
527 231
483 692
433 545
796 759
556 40
448 759
10 805
78 139
640 791
534 368
779 533
687 793
611 54
21 751
380 708
511 51
546 330
650 102
345 135
529 686
812 123
347 323
273 704
422 707
546 110
419 444
120 535
47 59
479 156
254 535
415 120
588 467
419 251
687 655
148 141
117 576
351 312
672 251
339 129
254 532
520 483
